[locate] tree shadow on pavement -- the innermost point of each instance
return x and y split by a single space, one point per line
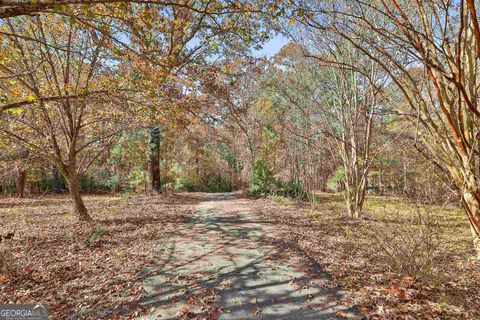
222 264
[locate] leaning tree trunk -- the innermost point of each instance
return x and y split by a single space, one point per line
153 159
21 182
74 188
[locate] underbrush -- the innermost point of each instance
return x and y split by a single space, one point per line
204 184
263 184
408 244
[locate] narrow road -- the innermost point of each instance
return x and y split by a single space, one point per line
224 264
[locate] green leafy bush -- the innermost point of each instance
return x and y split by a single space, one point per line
9 187
333 183
187 184
136 179
292 189
102 180
262 182
47 182
204 184
96 235
219 184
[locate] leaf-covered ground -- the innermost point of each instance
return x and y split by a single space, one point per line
75 269
95 272
349 251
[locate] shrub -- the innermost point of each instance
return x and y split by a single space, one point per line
204 184
187 184
10 186
334 182
409 244
262 182
46 183
136 179
219 184
101 181
96 235
293 189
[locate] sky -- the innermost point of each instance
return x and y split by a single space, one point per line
272 47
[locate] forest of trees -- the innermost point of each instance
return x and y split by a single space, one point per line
366 98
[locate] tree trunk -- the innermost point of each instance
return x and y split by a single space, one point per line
58 188
80 209
355 198
153 159
471 203
468 185
33 187
360 196
21 182
197 166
